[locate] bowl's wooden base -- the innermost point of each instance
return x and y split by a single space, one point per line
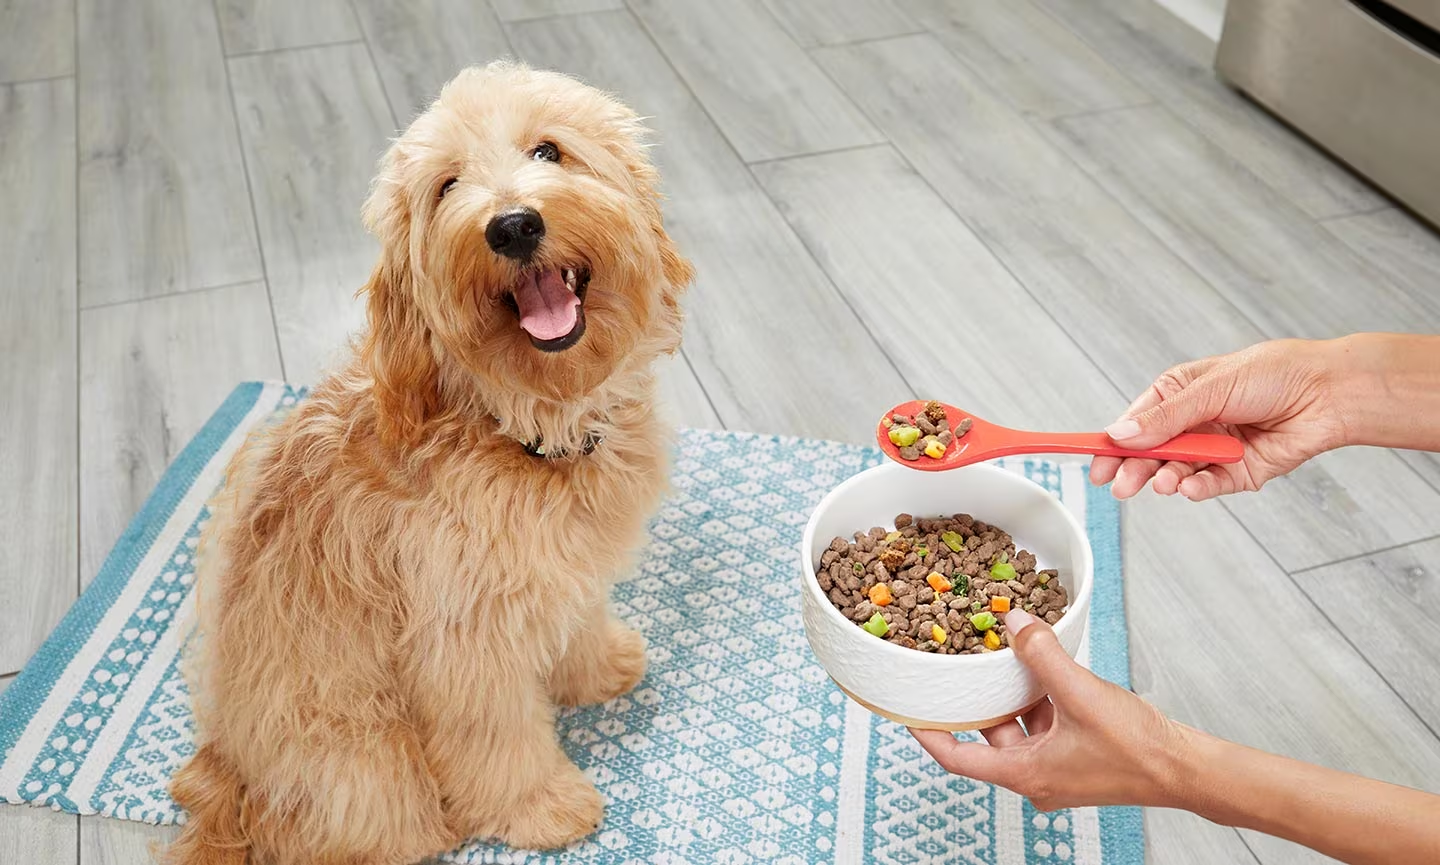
934 725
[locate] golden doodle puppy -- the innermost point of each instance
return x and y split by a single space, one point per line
405 577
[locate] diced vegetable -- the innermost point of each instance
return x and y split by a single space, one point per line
961 584
934 449
877 625
886 422
922 552
904 436
983 621
992 640
1002 571
976 607
937 633
938 582
953 541
892 537
998 604
880 596
1042 579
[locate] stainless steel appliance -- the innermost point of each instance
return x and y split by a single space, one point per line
1359 77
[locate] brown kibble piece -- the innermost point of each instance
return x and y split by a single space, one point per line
963 427
935 411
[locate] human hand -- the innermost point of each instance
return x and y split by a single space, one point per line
1276 397
1089 743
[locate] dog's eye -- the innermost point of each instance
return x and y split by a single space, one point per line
546 152
449 185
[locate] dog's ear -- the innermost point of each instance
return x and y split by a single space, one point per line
396 351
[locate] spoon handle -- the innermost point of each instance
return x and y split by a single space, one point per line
1186 447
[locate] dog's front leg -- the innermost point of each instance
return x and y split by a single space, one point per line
492 746
603 659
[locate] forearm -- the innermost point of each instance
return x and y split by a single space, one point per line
1387 389
1356 820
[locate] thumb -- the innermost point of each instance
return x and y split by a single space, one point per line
1040 651
1193 404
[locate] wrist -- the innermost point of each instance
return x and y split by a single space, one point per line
1384 388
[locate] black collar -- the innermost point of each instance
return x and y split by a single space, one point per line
539 450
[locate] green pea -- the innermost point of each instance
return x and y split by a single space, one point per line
1002 571
904 436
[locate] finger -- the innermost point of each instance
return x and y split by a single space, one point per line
1211 483
1040 718
1103 469
1004 735
1171 382
971 759
1134 474
1192 404
1168 477
1040 650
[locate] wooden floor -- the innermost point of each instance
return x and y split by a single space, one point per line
181 184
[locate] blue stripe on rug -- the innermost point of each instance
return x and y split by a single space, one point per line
25 695
1122 829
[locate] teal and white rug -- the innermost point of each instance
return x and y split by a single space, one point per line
736 747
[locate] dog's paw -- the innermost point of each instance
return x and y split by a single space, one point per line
614 670
561 811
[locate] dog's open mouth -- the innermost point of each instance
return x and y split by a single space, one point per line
550 304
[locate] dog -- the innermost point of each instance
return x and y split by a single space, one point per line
403 579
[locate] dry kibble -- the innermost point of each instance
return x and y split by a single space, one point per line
958 554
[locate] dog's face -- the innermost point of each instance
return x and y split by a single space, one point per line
522 243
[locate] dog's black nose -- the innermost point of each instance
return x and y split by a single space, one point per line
515 233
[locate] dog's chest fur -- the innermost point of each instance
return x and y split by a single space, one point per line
508 552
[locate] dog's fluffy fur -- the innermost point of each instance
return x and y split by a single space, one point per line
394 595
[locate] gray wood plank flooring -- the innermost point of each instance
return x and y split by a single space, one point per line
1403 586
151 374
314 124
39 836
1026 56
119 842
38 376
1276 266
37 40
820 22
266 25
522 10
741 267
1069 174
758 85
847 205
1172 61
163 205
420 45
1072 245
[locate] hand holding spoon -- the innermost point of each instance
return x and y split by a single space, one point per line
977 440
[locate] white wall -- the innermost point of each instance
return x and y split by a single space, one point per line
1207 16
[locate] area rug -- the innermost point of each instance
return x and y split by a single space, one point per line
735 748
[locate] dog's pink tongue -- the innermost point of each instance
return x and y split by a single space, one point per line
547 307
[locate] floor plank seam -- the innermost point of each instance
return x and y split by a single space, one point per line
704 391
827 152
254 217
1152 102
185 292
864 40
644 28
261 52
1344 634
1365 555
79 403
42 80
985 243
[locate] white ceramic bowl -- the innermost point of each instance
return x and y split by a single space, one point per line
919 689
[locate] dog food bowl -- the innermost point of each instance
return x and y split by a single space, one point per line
919 689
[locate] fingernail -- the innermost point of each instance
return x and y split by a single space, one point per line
1018 620
1120 430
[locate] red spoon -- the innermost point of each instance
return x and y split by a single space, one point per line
985 441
